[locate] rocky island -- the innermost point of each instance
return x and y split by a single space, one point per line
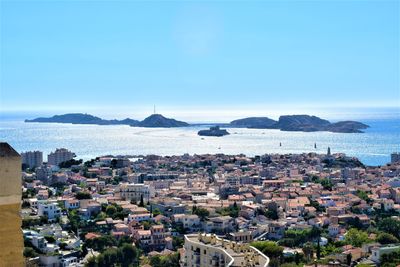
158 120
80 118
303 123
254 122
155 120
213 131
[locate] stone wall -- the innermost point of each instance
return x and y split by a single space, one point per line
11 240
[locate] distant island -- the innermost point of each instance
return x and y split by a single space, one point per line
213 131
155 120
303 123
254 122
80 118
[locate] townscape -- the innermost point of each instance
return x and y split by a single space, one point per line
210 210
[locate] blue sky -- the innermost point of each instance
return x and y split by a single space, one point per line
198 58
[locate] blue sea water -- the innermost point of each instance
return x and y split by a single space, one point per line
88 141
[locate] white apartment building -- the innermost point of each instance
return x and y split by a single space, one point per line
32 159
135 192
50 210
377 252
207 250
189 221
60 155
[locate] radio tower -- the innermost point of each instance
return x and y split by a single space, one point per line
154 109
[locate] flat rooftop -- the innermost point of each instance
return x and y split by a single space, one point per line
238 255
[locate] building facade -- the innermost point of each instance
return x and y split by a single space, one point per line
135 192
207 250
60 155
32 159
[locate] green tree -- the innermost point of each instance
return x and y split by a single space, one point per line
30 252
201 212
269 248
391 259
391 226
83 195
272 212
385 238
91 262
348 259
356 237
111 210
128 254
171 260
141 203
308 250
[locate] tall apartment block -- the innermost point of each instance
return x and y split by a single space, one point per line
60 155
32 159
11 241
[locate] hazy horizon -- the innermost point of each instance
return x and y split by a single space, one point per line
204 115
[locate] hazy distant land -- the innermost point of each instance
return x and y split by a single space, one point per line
303 123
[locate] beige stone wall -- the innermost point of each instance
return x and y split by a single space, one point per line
11 240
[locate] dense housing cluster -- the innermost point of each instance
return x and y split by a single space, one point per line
212 210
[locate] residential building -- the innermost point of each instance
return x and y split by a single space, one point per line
135 192
32 159
207 250
60 155
49 209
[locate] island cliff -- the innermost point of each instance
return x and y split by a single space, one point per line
155 120
303 123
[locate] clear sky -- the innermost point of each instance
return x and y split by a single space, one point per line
198 57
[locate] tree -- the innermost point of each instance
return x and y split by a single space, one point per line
83 195
308 250
355 223
364 196
29 252
110 257
141 203
201 212
356 237
269 248
165 261
385 238
272 212
91 262
390 259
111 210
391 226
348 259
69 163
128 254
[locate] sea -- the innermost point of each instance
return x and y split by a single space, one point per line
373 147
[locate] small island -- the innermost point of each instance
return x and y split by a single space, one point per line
154 120
213 131
302 123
